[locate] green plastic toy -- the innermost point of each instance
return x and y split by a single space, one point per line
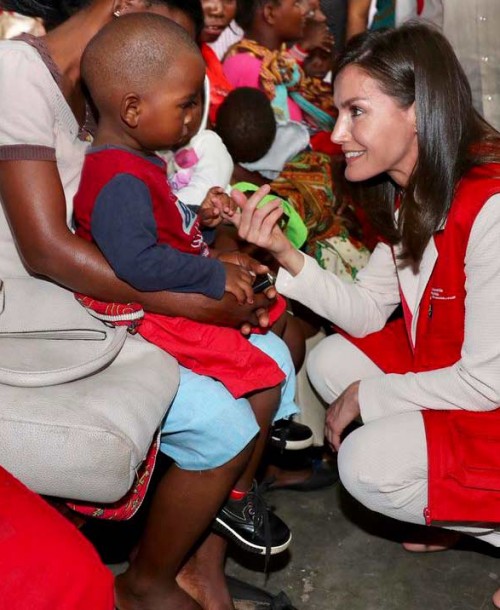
294 228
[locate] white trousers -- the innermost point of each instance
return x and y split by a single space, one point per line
383 464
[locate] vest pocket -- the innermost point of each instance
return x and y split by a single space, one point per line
476 440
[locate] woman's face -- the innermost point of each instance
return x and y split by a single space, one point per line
375 133
218 15
290 19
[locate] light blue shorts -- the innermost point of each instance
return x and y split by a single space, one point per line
206 426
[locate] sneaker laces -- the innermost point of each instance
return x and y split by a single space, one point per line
259 511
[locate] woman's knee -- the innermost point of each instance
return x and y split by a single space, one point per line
322 370
383 465
334 364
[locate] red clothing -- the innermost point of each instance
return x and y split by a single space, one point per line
216 351
45 562
463 446
219 85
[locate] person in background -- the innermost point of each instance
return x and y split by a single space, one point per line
390 13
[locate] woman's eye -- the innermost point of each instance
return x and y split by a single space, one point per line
355 111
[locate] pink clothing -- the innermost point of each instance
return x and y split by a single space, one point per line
243 70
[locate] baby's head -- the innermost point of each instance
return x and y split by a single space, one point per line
145 76
246 124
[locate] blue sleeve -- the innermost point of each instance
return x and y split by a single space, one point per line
124 228
208 234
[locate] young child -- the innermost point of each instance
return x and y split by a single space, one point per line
145 76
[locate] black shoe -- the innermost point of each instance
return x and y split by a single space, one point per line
252 526
248 596
290 435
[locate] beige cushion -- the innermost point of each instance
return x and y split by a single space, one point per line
85 439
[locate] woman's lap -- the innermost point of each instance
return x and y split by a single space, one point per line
206 426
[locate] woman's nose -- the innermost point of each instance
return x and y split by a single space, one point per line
339 133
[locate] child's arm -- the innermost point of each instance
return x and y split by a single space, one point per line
124 228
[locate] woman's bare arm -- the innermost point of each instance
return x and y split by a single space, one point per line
357 17
35 206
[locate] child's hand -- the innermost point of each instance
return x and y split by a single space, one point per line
216 207
239 282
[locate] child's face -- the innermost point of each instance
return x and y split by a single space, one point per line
318 64
218 15
169 110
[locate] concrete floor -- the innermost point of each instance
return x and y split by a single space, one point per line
343 557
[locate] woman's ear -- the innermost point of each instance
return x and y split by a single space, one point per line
130 110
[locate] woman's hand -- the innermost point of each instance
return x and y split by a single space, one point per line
341 413
259 226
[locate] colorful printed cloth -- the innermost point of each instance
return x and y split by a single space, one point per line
281 76
335 240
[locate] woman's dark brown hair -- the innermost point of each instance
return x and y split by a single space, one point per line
416 64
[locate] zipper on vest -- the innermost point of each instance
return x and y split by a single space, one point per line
429 311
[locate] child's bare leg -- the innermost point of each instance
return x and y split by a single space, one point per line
184 505
264 405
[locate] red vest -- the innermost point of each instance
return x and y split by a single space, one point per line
463 446
176 225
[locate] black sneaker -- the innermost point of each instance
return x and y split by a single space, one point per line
290 435
252 526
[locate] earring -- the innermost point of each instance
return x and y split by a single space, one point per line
116 13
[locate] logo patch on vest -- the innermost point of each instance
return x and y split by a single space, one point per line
438 295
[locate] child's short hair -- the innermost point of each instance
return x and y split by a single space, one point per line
130 53
246 124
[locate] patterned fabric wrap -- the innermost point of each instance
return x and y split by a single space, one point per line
334 239
281 76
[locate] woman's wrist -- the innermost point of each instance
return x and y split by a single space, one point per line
290 259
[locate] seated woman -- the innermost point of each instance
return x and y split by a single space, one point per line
44 134
426 385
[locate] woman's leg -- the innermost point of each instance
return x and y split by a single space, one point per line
334 364
209 436
184 506
383 465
